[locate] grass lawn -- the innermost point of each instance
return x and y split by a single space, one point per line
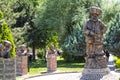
39 66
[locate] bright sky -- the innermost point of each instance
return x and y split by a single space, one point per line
114 0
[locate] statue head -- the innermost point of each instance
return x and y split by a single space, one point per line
23 47
7 43
52 47
95 12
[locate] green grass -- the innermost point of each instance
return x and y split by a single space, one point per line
39 66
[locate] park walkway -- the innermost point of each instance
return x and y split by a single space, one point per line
71 76
64 76
77 75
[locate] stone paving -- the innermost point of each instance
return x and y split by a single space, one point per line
73 76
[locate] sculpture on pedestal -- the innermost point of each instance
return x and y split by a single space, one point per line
51 56
96 62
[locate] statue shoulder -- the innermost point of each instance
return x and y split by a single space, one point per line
100 21
87 21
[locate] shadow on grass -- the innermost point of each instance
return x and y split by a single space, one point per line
60 63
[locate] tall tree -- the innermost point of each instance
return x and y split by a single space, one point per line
110 8
112 36
6 34
7 6
58 16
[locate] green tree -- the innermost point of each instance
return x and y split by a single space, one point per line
74 44
109 10
59 16
6 34
7 6
112 42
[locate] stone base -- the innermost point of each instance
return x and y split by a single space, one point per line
94 74
51 63
103 71
50 71
21 65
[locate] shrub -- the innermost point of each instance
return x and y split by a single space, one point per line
41 54
6 34
118 63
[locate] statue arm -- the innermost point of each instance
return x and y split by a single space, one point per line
103 26
86 31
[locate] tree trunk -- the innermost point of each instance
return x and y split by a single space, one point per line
33 50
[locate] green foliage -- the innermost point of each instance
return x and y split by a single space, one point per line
71 58
18 36
118 63
7 8
112 36
37 63
41 54
1 15
26 10
109 10
58 22
75 43
6 34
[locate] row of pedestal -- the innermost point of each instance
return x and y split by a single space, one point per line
9 68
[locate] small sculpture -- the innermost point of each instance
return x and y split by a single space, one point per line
7 48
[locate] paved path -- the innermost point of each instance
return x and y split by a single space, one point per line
65 76
71 76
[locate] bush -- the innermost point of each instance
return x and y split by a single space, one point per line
41 54
6 34
71 58
118 63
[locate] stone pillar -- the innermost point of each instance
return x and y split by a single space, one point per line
7 69
51 62
21 65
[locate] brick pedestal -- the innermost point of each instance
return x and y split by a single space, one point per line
21 65
7 69
51 62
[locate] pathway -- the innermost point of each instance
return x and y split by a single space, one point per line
73 76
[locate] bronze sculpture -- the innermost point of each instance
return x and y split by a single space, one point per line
96 62
51 56
7 48
94 30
